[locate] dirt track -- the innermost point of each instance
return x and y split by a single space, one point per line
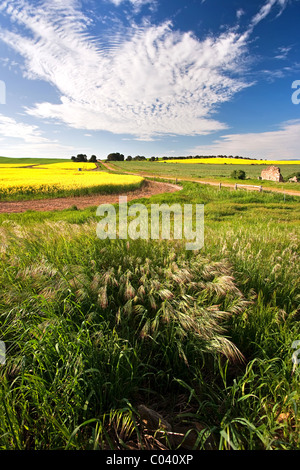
149 189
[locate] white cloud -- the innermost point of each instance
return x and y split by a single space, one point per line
281 143
148 81
135 3
25 140
266 9
32 150
9 127
240 12
282 52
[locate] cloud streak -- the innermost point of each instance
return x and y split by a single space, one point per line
137 4
20 139
9 127
265 10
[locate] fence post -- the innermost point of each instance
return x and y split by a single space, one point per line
220 185
235 186
260 189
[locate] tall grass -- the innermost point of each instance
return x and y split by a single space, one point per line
94 328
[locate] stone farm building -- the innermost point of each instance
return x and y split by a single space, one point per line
272 173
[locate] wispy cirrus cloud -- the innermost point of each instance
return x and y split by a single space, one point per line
148 81
265 10
135 3
282 52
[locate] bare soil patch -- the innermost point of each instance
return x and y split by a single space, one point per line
148 189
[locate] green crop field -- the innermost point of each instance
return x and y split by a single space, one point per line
95 330
214 172
31 161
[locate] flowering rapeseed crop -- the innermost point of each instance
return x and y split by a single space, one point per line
16 183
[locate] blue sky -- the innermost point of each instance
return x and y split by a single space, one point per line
149 77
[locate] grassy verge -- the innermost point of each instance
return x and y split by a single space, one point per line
96 328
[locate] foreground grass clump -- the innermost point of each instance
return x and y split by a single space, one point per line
94 329
92 334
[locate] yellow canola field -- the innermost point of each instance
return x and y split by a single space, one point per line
235 161
69 166
36 180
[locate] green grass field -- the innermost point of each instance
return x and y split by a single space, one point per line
32 161
94 328
209 172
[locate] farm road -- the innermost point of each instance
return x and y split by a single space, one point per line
148 189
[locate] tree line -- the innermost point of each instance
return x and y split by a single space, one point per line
119 157
207 156
82 157
112 157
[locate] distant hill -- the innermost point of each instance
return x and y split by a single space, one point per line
33 161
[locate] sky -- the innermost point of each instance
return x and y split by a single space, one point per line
150 77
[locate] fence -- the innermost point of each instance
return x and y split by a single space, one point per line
236 186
